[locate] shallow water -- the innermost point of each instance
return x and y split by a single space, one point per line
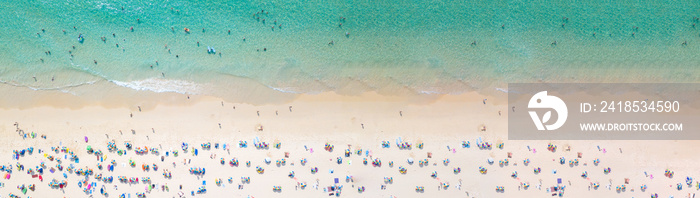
392 47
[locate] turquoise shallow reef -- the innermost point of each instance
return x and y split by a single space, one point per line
393 47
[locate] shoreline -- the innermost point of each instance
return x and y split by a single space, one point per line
107 94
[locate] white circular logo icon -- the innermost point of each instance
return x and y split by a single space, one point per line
542 101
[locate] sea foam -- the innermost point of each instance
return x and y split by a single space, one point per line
161 85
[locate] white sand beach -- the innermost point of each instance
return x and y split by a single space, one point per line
303 127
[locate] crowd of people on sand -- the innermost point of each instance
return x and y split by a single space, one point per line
64 162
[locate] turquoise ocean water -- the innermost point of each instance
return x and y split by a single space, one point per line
393 47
